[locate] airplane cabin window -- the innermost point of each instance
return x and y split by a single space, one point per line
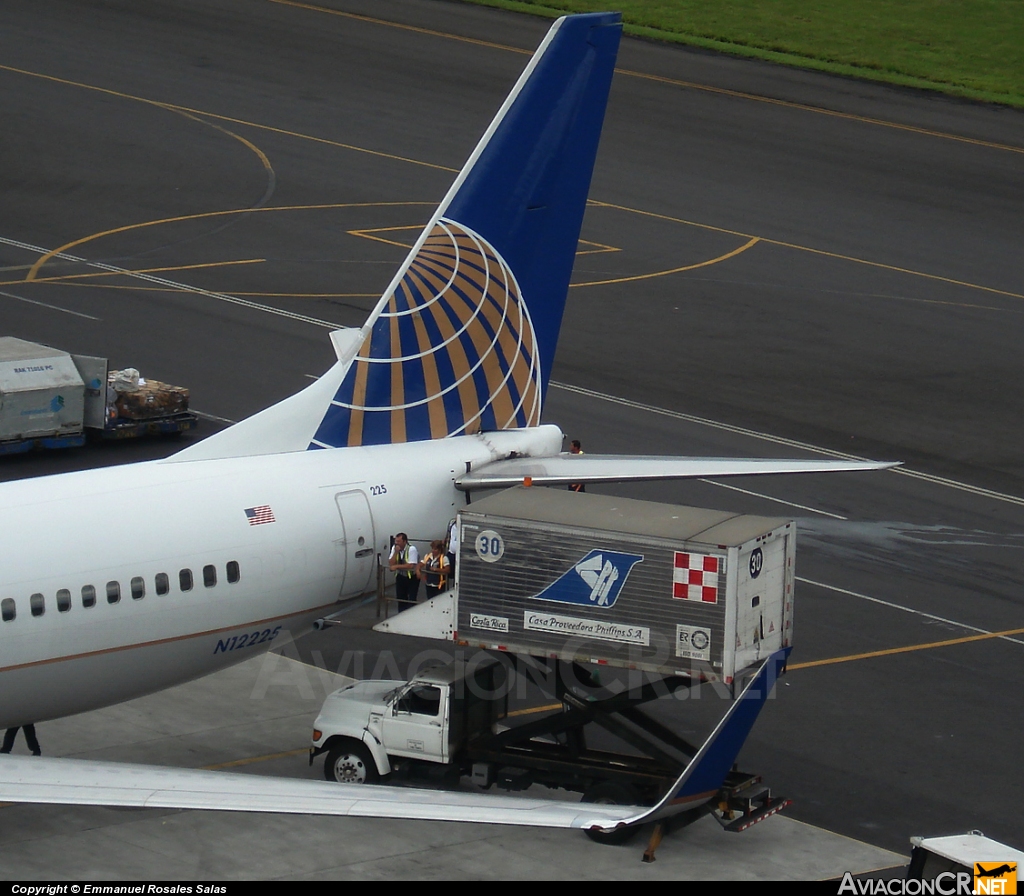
185 580
63 600
113 592
163 584
209 575
37 604
88 596
7 609
138 587
234 573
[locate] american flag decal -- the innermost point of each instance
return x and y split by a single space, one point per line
695 577
259 515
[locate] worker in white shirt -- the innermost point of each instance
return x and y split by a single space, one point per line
403 561
452 548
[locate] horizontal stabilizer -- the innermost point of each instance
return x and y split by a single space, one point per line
28 779
566 468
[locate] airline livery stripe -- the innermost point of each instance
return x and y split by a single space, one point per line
452 351
154 643
397 386
431 382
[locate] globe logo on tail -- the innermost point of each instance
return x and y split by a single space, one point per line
451 352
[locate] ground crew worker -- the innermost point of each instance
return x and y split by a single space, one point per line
434 569
452 548
575 448
403 562
30 738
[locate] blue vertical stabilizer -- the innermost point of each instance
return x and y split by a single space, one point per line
464 338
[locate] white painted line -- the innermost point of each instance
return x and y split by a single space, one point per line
961 486
885 603
219 296
11 295
20 245
736 488
791 443
214 418
703 421
184 287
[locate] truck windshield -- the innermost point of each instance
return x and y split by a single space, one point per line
423 700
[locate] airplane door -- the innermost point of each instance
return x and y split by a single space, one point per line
357 542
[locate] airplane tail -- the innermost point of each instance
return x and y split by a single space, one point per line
463 339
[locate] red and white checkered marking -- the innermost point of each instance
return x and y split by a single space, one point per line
695 577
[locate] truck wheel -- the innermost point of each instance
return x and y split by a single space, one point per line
350 763
611 794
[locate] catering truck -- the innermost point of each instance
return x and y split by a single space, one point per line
562 588
662 588
611 581
51 399
454 722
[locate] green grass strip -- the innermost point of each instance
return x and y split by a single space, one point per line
968 48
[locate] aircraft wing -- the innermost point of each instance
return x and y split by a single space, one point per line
30 779
706 771
566 468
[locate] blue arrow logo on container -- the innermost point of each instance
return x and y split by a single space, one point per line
595 581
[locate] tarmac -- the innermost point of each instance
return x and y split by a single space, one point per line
776 263
255 718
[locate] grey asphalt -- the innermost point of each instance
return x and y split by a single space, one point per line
875 310
199 724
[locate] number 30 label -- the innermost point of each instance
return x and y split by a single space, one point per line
489 546
756 562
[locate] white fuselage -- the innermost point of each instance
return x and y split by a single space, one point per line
125 531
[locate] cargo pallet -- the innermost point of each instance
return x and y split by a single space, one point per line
122 428
19 446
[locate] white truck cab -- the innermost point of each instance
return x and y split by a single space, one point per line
368 727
